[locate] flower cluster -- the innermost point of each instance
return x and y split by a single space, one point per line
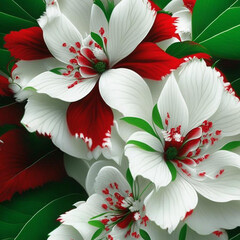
131 98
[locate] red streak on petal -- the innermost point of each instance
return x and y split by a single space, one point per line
188 214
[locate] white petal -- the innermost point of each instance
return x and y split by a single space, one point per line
76 168
166 43
48 116
65 232
209 216
169 205
58 86
130 22
58 30
172 103
150 165
78 12
111 175
127 92
27 70
201 88
174 6
222 187
227 117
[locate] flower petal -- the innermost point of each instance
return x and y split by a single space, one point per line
209 216
172 106
62 87
150 165
91 119
126 28
149 61
127 92
64 232
201 88
168 205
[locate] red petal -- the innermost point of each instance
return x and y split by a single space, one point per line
11 114
149 61
22 168
162 29
27 44
4 90
194 134
90 118
189 4
126 221
189 146
154 5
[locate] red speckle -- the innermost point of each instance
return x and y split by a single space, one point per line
101 31
70 67
73 61
90 42
168 115
166 122
116 185
189 154
218 132
198 151
77 75
202 174
105 191
205 141
78 44
218 233
105 221
144 221
221 171
110 237
104 206
64 44
105 40
188 214
72 49
111 186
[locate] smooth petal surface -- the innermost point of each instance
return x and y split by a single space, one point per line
202 90
149 61
209 216
172 105
168 205
150 165
78 12
127 92
126 28
59 86
48 116
65 232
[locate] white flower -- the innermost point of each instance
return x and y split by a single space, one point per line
198 117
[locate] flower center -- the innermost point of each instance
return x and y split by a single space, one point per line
100 67
171 153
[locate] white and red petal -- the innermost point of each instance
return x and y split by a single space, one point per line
66 88
201 88
91 119
126 28
64 232
27 44
48 116
78 12
149 61
209 216
172 106
125 91
167 206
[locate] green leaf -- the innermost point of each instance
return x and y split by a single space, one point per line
140 123
162 3
36 211
230 146
97 39
7 127
97 233
107 12
219 28
156 117
144 235
97 223
172 169
57 70
183 49
141 145
129 177
234 234
183 233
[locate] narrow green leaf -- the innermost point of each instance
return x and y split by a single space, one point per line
129 177
100 4
97 233
97 39
140 123
230 146
107 12
57 70
144 235
172 169
156 117
183 233
141 145
96 223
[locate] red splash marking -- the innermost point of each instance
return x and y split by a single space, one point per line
188 214
218 233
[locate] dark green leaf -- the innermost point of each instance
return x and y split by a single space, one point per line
231 145
97 233
97 223
172 169
141 145
97 39
21 217
140 123
162 3
107 11
183 49
57 71
156 117
144 235
183 233
219 28
7 127
129 177
234 234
